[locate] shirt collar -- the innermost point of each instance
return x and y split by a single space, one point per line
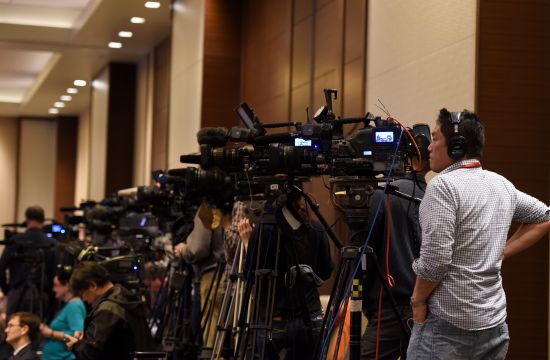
15 352
459 164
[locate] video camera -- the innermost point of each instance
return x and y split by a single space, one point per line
313 149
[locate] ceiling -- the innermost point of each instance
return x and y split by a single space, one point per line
47 44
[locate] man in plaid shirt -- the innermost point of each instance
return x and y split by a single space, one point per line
459 305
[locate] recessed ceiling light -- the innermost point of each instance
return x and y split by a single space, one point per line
79 83
125 34
72 91
115 45
53 111
137 20
66 97
59 104
152 4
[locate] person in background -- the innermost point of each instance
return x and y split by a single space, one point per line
21 333
116 326
69 320
30 260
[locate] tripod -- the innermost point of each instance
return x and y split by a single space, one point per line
207 313
272 254
172 316
349 277
227 328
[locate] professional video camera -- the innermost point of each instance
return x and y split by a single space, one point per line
317 148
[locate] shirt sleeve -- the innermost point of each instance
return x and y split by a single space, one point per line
198 242
76 312
438 223
530 210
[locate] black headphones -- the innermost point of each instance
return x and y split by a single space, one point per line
456 148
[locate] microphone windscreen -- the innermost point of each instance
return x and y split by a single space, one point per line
213 136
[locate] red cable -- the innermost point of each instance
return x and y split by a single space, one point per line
378 327
420 160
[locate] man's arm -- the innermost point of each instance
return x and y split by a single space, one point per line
438 223
525 236
419 300
197 246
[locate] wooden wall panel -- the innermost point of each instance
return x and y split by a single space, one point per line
294 49
121 123
267 58
65 172
512 99
222 62
161 105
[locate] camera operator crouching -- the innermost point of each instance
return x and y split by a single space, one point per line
30 260
116 326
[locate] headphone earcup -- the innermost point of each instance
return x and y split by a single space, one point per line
456 147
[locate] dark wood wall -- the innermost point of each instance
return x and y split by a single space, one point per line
292 50
65 171
120 127
222 63
513 94
161 104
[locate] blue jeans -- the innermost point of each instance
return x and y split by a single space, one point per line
437 339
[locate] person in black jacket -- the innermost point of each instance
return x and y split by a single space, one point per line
295 291
116 326
30 260
395 256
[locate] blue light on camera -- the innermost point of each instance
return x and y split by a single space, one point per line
135 267
143 221
56 228
384 137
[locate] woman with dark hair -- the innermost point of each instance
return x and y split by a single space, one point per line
67 321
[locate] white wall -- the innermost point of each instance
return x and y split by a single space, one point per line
8 169
421 56
37 166
186 79
98 136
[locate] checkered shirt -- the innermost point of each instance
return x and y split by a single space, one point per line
465 216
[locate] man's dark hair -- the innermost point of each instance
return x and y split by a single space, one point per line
470 127
35 213
30 320
86 273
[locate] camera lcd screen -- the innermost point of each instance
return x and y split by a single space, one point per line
384 137
302 142
56 228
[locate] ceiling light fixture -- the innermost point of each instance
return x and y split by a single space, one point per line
115 45
125 34
59 104
53 111
72 90
66 97
137 20
152 4
79 83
